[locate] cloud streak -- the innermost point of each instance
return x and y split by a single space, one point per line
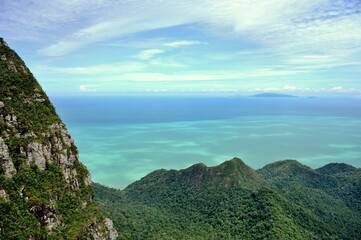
183 43
263 44
149 53
87 88
284 23
101 69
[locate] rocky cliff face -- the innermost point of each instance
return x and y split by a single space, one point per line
44 189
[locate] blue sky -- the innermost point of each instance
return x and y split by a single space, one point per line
110 47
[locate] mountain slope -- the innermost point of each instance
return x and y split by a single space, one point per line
45 191
229 174
229 201
335 168
331 192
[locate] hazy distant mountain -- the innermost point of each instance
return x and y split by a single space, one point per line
45 191
273 95
284 200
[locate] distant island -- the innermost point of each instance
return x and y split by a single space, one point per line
274 95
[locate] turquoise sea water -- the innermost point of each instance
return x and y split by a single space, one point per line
121 139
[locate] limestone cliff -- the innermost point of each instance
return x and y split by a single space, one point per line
45 190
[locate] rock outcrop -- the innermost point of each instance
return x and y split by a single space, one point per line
42 180
5 160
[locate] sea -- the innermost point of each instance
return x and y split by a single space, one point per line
123 138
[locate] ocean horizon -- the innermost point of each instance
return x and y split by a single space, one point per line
123 138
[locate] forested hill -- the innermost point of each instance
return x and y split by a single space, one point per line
283 200
45 191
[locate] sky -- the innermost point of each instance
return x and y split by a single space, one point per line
115 47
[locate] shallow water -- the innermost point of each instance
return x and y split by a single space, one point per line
121 139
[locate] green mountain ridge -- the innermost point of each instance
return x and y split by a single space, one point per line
45 191
283 200
334 168
229 174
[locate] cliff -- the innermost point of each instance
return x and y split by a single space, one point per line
45 190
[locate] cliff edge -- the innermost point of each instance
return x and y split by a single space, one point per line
45 191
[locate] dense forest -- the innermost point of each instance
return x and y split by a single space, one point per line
283 200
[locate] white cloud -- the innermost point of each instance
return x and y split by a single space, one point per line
104 69
60 48
183 43
337 89
292 24
167 63
285 88
283 38
177 77
289 87
149 53
208 76
87 88
345 90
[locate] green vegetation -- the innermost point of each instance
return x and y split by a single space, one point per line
22 94
231 201
332 193
39 188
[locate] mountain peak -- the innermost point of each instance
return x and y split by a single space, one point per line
288 172
286 167
235 162
334 168
232 173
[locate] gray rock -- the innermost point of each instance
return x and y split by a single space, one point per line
2 104
38 154
40 100
22 151
113 234
4 195
5 160
8 118
62 132
30 134
21 192
11 120
88 180
24 69
5 133
98 233
74 180
3 58
47 216
51 221
12 67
